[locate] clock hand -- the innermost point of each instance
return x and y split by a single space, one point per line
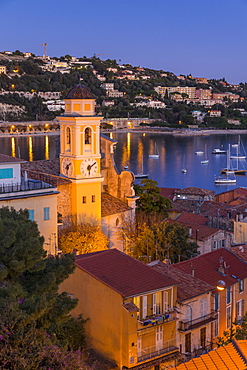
90 166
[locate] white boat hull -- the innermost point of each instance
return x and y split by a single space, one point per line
154 156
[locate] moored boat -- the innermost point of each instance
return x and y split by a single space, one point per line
218 151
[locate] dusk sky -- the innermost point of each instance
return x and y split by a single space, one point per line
203 38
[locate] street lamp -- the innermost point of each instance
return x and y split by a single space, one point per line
221 285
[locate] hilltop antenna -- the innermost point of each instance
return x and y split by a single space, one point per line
44 56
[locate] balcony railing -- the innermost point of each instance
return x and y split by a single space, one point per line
24 186
151 352
171 315
193 324
196 352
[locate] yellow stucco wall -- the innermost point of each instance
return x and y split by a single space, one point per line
111 329
47 228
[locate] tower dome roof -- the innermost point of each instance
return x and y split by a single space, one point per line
79 92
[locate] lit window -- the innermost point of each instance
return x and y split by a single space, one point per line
88 135
93 198
84 199
31 214
47 213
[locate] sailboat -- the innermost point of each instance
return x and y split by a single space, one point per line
238 155
205 161
156 152
141 175
229 169
184 169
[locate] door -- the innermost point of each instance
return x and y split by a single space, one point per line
203 337
159 338
188 343
139 346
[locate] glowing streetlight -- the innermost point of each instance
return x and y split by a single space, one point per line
221 285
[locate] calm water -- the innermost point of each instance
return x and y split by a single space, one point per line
133 149
175 153
31 148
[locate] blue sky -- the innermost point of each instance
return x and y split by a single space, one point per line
205 38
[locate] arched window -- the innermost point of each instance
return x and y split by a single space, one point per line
88 135
68 138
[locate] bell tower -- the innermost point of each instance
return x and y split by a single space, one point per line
80 151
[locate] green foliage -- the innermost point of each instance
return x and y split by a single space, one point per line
237 331
150 201
29 288
161 240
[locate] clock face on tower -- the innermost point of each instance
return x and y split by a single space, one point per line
89 167
67 167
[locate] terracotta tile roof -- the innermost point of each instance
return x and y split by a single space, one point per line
188 287
195 191
208 208
111 205
207 267
50 166
7 158
168 192
122 273
197 232
240 251
192 218
131 307
228 357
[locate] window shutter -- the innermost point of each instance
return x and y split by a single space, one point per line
154 304
144 306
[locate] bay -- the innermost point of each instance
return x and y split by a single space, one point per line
133 150
176 152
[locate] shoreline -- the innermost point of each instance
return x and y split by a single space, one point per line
179 133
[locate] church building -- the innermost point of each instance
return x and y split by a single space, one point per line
85 173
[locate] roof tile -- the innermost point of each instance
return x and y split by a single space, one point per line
123 273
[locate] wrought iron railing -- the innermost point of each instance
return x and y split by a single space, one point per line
171 315
23 186
192 324
155 351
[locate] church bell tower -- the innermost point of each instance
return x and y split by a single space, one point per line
80 152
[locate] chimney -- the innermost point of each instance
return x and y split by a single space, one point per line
193 271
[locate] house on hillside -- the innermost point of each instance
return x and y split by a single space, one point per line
38 196
208 238
221 268
130 307
195 315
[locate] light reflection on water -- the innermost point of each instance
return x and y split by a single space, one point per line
177 152
134 148
31 148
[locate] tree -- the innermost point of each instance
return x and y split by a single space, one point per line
151 205
29 291
237 331
84 237
158 241
164 240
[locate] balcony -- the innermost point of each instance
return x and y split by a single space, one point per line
171 315
196 323
24 186
151 352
